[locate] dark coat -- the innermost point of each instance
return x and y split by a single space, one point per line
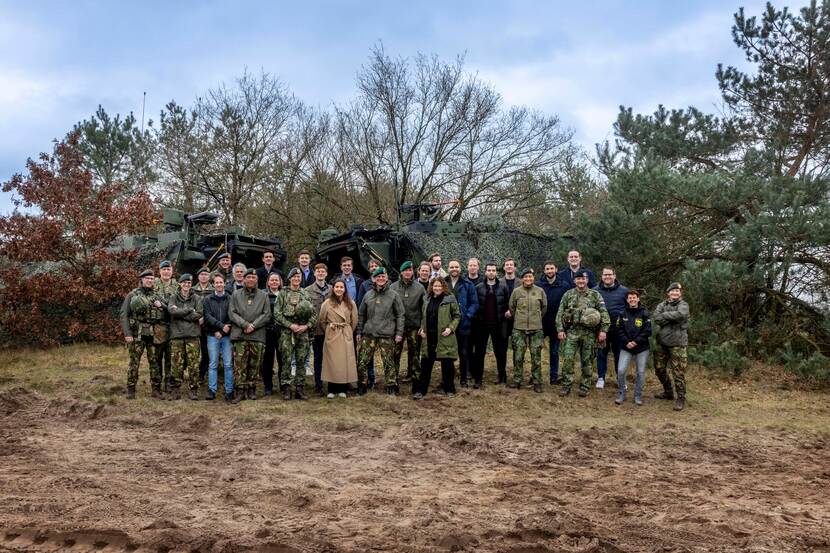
634 325
262 276
361 292
554 293
467 298
614 297
567 277
216 312
502 299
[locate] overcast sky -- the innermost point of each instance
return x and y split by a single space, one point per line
580 60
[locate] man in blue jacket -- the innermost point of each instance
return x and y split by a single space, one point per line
467 298
614 295
566 275
554 290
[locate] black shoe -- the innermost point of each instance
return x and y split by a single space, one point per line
229 397
298 392
665 394
286 392
318 389
130 392
194 395
516 385
252 393
477 386
238 395
267 392
537 388
371 384
465 384
156 393
210 395
361 389
555 381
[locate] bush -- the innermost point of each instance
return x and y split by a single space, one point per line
724 358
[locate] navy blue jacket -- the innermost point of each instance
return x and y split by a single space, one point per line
567 277
614 297
365 286
467 298
554 293
634 325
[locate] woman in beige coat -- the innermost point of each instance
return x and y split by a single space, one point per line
338 319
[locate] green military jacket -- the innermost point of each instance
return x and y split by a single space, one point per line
184 315
137 314
574 304
412 296
201 292
449 316
672 320
249 307
528 307
381 314
295 307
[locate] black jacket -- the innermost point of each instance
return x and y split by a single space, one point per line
216 312
554 293
502 299
262 276
634 325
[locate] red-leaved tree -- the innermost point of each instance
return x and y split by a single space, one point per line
59 276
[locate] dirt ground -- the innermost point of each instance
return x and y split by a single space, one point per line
745 468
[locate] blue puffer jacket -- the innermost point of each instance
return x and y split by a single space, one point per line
614 298
467 298
554 293
567 277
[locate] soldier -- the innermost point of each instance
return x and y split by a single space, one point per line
365 287
423 275
554 290
614 294
672 320
250 313
580 314
203 289
318 292
139 314
467 298
186 320
493 301
238 282
267 268
528 304
165 287
412 296
294 311
380 325
224 268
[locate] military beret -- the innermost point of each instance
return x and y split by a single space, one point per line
580 273
378 271
674 286
145 273
406 265
225 255
294 271
164 264
527 271
186 277
202 270
250 272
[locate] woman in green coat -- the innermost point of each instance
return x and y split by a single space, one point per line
440 317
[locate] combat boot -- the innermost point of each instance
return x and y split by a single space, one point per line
238 395
361 389
210 395
194 395
252 393
666 394
286 392
156 393
565 391
516 385
680 404
130 392
298 392
583 392
537 388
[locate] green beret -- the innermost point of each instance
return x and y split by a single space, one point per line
406 265
145 273
527 271
674 286
378 271
186 277
202 270
250 272
164 264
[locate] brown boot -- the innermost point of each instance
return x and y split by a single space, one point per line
286 392
666 394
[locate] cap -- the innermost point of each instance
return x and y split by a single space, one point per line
186 277
164 264
294 271
580 273
225 255
406 265
145 273
527 271
674 286
202 270
379 271
251 271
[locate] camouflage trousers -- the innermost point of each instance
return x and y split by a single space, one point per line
675 359
136 348
186 354
578 343
366 353
247 360
413 346
522 340
296 347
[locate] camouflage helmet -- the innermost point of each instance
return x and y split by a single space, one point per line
303 312
590 317
139 303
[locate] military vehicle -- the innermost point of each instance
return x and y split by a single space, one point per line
420 233
192 240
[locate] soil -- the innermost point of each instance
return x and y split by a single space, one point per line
158 476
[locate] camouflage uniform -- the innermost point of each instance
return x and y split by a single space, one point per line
162 329
580 338
523 339
186 354
380 318
413 346
139 316
186 351
297 346
672 320
247 360
366 353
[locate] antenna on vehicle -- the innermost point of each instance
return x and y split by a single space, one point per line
143 104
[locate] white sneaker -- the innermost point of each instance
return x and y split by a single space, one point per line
600 383
341 394
330 396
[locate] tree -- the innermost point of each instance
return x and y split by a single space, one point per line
60 273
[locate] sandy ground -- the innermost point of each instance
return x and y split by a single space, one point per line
487 471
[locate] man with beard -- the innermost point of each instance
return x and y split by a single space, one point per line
493 303
380 325
412 296
465 295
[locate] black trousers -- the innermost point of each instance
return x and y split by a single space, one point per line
447 369
317 346
272 338
465 356
204 361
335 388
483 334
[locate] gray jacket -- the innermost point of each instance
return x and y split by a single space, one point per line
381 314
185 315
412 296
672 321
249 307
318 296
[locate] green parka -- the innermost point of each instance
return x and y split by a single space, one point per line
412 295
184 315
672 320
449 316
528 307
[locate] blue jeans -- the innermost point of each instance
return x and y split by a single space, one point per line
625 358
612 343
214 346
553 342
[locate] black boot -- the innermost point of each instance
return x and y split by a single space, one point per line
238 395
361 389
210 395
680 404
156 393
130 392
537 388
194 394
252 393
667 394
286 392
298 392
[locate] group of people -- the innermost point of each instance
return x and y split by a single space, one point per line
249 318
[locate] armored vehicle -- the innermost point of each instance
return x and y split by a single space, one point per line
419 234
191 241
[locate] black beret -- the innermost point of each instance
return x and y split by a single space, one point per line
164 264
580 273
250 272
145 273
186 277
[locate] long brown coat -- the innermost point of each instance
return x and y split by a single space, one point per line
339 323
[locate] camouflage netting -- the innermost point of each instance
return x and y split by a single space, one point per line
526 249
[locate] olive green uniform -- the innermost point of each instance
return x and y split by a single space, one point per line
412 296
138 316
185 332
580 315
162 329
380 319
672 320
294 307
528 306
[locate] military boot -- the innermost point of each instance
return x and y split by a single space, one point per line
194 394
156 393
667 394
565 391
361 389
298 392
286 392
537 388
583 392
175 393
680 404
238 395
130 392
252 393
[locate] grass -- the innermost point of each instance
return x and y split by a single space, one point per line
764 398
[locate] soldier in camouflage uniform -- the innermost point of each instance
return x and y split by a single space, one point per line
165 287
140 311
294 311
203 288
581 312
528 304
185 309
380 325
250 313
672 320
412 295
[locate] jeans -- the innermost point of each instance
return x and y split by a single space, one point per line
215 345
625 358
612 342
553 344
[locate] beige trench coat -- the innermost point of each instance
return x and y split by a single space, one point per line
339 323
